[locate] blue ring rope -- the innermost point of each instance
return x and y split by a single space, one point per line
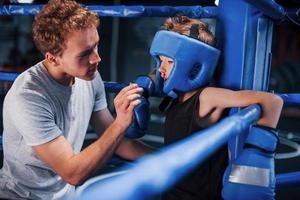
159 171
109 85
8 76
123 11
288 179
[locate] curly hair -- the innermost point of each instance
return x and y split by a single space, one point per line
56 20
182 24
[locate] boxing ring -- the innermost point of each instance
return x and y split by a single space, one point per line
245 38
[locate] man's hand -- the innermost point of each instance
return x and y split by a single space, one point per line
125 102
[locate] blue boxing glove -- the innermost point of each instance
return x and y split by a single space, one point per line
251 175
139 125
141 119
147 84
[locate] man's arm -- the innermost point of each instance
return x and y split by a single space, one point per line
128 148
75 168
219 98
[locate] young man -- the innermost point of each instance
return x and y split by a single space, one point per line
49 107
185 66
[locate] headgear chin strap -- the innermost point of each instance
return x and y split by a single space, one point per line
194 62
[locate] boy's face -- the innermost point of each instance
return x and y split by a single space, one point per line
80 58
165 67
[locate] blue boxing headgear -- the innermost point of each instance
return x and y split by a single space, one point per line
194 62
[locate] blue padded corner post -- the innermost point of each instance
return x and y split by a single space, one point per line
269 8
245 36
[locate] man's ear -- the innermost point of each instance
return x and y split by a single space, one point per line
52 59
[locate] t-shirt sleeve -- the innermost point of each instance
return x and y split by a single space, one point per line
35 121
100 97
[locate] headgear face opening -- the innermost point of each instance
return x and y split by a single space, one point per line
194 62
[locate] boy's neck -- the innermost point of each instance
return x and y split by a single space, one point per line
185 96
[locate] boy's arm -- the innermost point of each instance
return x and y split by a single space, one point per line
219 98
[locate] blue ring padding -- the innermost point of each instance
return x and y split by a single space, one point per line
291 99
159 171
269 7
123 11
288 179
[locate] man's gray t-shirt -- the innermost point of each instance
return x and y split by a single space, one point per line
36 110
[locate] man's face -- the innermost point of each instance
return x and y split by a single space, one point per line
80 58
166 66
